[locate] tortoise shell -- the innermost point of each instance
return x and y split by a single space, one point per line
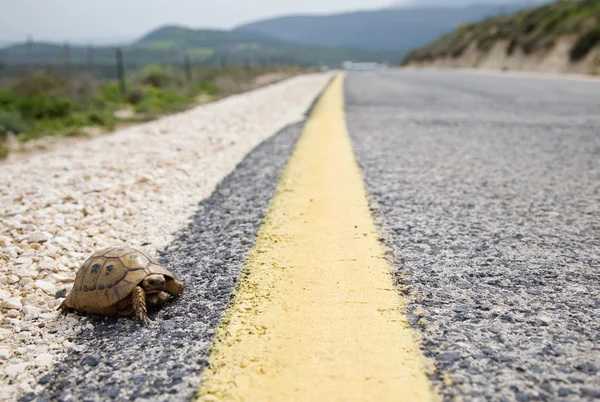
107 278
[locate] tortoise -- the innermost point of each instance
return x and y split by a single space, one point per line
121 281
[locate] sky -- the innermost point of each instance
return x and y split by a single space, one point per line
111 21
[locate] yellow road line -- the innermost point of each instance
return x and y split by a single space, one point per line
316 316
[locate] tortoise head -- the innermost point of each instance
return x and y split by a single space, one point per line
153 283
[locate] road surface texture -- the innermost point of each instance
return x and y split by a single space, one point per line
488 189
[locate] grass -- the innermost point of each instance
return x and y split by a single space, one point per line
530 31
41 104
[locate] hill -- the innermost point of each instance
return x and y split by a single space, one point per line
398 29
169 44
558 37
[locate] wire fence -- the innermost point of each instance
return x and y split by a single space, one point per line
120 65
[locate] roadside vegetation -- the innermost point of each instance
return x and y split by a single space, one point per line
531 31
42 104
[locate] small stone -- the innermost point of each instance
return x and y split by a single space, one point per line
37 237
587 368
574 379
545 320
45 286
14 370
45 379
25 281
13 314
90 361
61 293
4 295
449 356
24 261
12 303
13 279
27 397
523 396
591 392
413 319
44 359
47 316
33 311
4 354
61 278
27 271
47 265
562 391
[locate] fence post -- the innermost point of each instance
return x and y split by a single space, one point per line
188 69
121 71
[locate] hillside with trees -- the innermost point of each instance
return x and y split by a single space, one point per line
561 37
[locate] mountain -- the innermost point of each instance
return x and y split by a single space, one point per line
561 37
465 3
169 44
399 29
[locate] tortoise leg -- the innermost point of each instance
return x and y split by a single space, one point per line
174 287
157 299
64 309
138 299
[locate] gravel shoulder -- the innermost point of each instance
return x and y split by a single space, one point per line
488 190
138 186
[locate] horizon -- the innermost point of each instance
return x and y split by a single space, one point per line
51 23
76 23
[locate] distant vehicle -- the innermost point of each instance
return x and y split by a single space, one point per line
364 66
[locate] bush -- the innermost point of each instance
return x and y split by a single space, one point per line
42 107
135 96
7 99
11 121
39 83
156 77
157 101
585 44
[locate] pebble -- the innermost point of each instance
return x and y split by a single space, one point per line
38 237
45 286
13 313
12 303
44 359
24 261
4 354
33 311
4 295
13 370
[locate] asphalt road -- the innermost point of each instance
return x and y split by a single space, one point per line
488 189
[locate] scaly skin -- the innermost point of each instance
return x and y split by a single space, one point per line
174 287
156 299
138 298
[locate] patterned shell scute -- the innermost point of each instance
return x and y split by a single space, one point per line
134 260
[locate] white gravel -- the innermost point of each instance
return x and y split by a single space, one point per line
136 186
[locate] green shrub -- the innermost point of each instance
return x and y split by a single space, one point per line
42 107
208 88
157 101
111 93
7 99
11 121
585 44
135 96
39 83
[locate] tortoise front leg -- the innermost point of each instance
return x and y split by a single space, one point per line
157 299
138 299
174 287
